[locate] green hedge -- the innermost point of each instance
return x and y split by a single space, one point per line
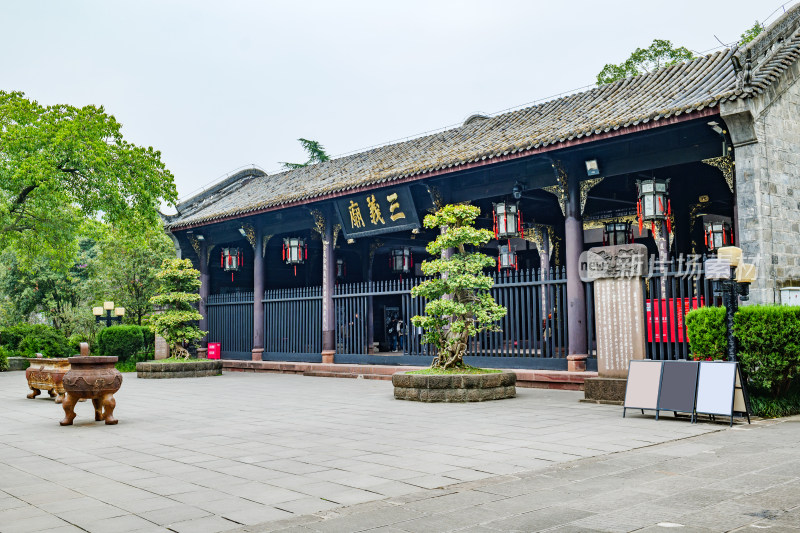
707 334
3 359
27 340
122 341
769 346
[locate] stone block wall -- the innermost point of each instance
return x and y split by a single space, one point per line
766 134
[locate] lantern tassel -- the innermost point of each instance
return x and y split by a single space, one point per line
653 227
494 223
519 222
661 205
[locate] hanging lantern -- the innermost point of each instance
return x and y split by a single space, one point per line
506 257
617 233
653 204
402 262
341 268
718 234
231 260
507 220
294 251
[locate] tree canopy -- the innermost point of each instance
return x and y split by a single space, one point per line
751 33
316 154
660 53
61 165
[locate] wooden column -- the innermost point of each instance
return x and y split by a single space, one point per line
258 296
368 257
573 240
328 284
205 289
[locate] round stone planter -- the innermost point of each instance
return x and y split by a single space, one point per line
454 387
191 369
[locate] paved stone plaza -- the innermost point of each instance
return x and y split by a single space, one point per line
272 452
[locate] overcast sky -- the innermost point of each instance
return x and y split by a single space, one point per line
220 85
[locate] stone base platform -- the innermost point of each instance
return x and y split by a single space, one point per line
454 387
194 369
605 390
539 379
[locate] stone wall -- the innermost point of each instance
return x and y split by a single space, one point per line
766 135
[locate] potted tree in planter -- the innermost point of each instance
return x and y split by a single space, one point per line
179 282
459 308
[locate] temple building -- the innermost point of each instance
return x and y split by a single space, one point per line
311 264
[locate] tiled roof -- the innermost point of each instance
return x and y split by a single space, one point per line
680 89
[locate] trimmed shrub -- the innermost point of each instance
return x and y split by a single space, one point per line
3 359
122 341
707 333
45 340
769 346
75 341
12 336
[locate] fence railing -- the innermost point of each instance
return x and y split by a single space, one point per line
671 291
535 325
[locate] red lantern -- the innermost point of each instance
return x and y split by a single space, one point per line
506 257
231 260
507 220
294 251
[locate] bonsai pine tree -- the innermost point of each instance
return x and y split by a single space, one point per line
460 305
177 294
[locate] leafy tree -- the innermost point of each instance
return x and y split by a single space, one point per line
751 33
127 268
316 154
660 53
60 165
179 283
40 288
460 305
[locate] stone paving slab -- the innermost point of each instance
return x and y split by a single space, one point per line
218 453
608 493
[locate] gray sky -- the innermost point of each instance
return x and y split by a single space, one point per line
219 85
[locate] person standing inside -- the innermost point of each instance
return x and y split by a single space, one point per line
391 332
401 331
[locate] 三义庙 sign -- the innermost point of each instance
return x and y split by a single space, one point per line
376 212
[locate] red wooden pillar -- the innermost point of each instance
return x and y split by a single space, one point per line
205 288
328 284
258 296
573 240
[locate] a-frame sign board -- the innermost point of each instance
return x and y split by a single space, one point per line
678 387
643 386
720 390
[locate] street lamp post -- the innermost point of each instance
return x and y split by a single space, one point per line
108 307
731 280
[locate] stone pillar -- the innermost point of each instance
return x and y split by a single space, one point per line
617 272
205 289
573 240
258 296
328 284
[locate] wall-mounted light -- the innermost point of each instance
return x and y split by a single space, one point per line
516 191
243 232
341 268
591 168
200 237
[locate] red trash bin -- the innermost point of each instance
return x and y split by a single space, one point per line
214 349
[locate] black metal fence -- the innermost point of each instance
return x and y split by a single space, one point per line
534 327
671 291
293 320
